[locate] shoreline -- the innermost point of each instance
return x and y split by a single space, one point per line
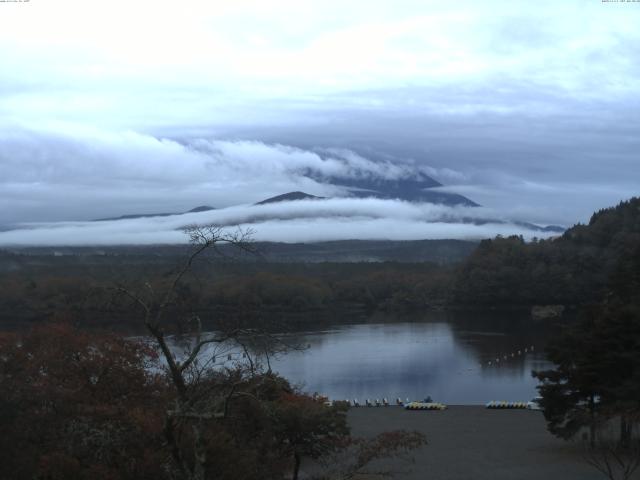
473 442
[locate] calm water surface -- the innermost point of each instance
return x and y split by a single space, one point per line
461 358
445 358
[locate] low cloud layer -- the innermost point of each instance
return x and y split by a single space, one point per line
530 109
68 172
297 221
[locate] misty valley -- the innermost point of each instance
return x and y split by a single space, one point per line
319 240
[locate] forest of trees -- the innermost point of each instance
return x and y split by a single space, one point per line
82 294
80 405
503 272
570 270
87 406
594 388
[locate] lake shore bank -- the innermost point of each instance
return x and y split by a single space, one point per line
472 442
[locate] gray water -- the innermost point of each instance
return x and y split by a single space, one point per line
457 359
415 360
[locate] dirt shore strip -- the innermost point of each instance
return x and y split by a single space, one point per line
474 443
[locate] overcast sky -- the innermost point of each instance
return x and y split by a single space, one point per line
106 108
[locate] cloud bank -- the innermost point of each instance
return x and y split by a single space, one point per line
531 109
69 172
296 221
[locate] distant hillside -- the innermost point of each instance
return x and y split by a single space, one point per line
435 251
286 197
419 189
350 251
133 216
201 208
538 228
571 269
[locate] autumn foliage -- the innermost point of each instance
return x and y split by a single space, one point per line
76 405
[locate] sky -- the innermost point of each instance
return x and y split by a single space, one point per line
531 109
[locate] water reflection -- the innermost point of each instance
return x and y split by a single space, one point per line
454 358
445 360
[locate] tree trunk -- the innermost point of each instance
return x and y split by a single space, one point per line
625 432
199 454
296 466
169 430
592 424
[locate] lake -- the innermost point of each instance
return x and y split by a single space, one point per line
457 358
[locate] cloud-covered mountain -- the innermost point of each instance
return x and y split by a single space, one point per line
68 172
376 177
288 197
532 113
306 221
409 190
418 189
119 177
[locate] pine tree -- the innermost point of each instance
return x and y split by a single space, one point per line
597 377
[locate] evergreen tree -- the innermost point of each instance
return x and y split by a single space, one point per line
597 377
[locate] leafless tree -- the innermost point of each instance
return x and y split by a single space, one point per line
614 461
206 381
199 399
360 456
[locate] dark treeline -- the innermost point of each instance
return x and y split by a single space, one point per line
507 272
593 391
569 270
84 293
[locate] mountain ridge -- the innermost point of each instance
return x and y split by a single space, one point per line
201 208
289 197
420 189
